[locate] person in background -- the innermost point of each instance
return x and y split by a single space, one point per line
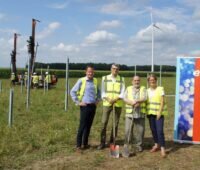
25 79
156 111
86 95
13 78
41 80
113 87
48 79
35 80
135 98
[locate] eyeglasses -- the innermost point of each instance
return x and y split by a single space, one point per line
115 68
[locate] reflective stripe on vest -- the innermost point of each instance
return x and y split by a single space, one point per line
113 89
129 108
83 86
153 104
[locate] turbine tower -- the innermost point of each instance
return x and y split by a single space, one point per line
152 41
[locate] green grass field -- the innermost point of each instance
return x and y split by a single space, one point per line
43 137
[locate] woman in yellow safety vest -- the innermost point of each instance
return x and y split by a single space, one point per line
156 111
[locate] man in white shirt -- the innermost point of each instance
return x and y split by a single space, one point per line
113 87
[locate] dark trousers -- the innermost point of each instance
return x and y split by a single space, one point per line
157 129
87 114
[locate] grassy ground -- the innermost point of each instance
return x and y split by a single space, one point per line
43 137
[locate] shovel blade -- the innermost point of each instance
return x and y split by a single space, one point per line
126 152
114 151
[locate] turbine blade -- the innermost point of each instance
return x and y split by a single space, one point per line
157 27
151 18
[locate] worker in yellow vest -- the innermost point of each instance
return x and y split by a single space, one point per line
13 78
25 79
156 112
35 80
135 98
86 95
113 87
48 79
41 80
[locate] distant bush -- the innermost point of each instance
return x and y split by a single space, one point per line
5 73
103 66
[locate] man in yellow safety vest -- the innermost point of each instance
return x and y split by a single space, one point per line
47 79
86 95
113 87
25 78
13 78
135 98
35 80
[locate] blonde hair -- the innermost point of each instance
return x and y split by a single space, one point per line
152 75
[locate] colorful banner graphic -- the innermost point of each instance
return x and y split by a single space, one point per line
187 108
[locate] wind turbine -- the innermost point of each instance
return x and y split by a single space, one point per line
152 41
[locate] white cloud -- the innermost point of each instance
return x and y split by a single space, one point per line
168 44
59 5
120 8
49 30
99 37
190 3
110 24
172 14
8 31
165 32
194 7
67 48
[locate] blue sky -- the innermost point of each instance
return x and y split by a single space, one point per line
101 30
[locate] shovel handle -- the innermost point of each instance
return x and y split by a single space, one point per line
130 127
113 111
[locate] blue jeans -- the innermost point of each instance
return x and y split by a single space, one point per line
156 127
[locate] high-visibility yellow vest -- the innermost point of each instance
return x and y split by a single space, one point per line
12 77
153 104
35 79
129 108
48 78
80 93
113 89
25 77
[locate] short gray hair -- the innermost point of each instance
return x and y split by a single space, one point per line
116 65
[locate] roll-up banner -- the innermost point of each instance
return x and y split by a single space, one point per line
187 107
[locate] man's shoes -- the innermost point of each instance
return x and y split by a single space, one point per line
101 146
86 146
139 149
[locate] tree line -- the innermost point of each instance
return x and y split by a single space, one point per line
103 66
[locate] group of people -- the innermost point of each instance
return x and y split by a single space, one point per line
139 103
40 80
37 80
